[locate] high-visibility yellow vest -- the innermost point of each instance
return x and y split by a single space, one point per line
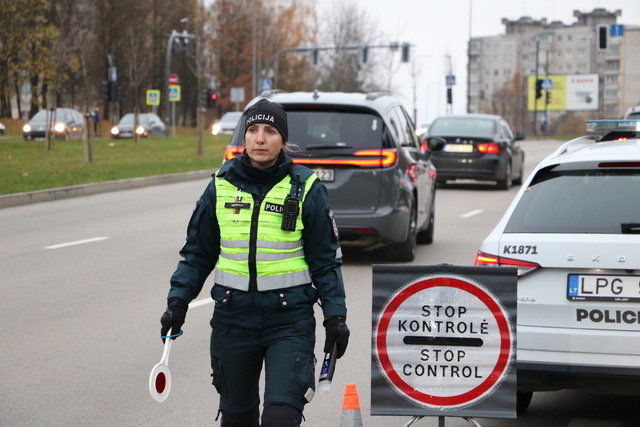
253 234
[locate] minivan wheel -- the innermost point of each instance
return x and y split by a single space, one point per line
523 399
426 236
406 251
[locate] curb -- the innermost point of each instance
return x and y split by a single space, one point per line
26 198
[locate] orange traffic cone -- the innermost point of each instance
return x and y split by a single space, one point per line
351 416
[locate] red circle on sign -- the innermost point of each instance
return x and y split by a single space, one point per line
429 399
173 79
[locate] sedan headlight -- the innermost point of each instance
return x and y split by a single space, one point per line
140 130
216 128
59 127
115 130
26 128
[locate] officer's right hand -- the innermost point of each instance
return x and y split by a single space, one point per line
173 318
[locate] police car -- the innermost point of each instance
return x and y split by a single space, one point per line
573 232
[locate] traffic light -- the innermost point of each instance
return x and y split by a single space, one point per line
212 98
364 55
314 57
405 52
104 90
602 37
547 98
114 92
449 96
203 101
538 88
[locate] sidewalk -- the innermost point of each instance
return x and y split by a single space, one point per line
19 199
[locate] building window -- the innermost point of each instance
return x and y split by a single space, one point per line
611 93
582 66
506 72
496 72
569 37
559 53
611 78
559 37
613 65
559 68
568 67
568 53
581 51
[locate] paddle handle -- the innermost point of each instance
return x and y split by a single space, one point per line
165 353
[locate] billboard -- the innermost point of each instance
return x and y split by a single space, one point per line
568 92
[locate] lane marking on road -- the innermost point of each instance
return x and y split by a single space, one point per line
76 242
471 213
201 302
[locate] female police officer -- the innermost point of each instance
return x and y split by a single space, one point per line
266 226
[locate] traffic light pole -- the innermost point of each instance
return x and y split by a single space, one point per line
273 60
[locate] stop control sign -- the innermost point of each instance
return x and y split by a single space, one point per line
444 342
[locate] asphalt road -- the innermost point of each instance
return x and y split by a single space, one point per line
83 284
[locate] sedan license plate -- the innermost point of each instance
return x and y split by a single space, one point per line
325 175
602 287
458 148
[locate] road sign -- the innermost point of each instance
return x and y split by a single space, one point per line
174 93
547 84
616 30
173 79
237 94
450 80
444 342
264 85
153 97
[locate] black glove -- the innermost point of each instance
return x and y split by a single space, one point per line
337 333
173 317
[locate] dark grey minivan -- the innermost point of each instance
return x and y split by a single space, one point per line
364 149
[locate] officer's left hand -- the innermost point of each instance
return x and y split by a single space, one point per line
337 333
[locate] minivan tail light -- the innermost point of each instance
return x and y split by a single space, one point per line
489 147
364 158
524 267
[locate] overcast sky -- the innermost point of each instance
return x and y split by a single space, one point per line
441 27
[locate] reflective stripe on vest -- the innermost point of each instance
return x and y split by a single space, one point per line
279 257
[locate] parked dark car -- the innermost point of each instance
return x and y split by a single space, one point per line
64 123
363 147
480 147
149 124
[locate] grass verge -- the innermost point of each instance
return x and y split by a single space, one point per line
27 166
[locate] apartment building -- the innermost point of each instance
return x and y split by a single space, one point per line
499 66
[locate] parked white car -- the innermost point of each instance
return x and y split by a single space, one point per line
573 232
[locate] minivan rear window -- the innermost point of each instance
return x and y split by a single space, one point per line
318 130
578 201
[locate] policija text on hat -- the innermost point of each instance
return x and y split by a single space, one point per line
266 227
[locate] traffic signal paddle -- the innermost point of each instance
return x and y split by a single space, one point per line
160 377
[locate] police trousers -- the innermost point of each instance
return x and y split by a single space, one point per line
237 358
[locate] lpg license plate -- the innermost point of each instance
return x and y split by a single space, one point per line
458 148
600 287
325 175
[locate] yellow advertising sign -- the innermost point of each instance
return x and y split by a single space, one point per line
557 95
567 92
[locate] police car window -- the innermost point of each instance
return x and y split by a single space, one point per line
582 201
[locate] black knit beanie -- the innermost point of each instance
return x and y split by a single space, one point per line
271 113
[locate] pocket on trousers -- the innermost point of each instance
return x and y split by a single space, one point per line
217 377
303 376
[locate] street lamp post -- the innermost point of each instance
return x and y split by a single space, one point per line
184 38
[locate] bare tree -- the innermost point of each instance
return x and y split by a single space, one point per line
347 28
